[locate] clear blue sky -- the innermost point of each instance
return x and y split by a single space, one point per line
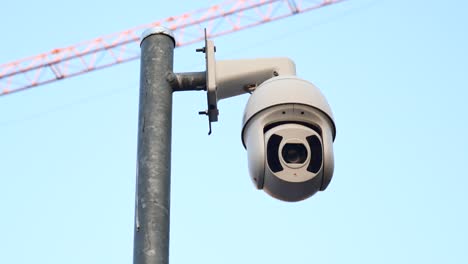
394 73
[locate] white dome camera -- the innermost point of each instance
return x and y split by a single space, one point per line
288 131
288 128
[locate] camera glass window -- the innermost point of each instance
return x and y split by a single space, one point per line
294 153
272 153
316 155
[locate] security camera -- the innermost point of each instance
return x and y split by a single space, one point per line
288 128
288 131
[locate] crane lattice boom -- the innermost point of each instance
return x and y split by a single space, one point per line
120 47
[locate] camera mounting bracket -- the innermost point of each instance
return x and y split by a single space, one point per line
211 90
228 78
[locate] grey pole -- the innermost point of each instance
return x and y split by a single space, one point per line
152 209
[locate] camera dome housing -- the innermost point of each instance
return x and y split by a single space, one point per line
288 131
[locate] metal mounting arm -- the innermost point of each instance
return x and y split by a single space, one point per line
230 78
236 77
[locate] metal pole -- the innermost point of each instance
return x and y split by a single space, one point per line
152 209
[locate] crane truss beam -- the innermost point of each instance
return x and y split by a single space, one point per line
121 47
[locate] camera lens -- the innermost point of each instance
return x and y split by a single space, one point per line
294 153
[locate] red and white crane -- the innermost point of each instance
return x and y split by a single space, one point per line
120 47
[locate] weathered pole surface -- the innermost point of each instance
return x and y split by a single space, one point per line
152 209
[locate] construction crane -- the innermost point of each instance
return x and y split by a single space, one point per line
121 47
